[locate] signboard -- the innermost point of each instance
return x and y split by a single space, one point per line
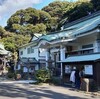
67 69
88 69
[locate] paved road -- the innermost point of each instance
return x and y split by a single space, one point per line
29 91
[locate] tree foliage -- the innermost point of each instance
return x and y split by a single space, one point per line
69 11
28 21
42 75
2 31
96 4
80 9
56 9
12 41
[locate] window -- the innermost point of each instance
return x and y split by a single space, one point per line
21 53
28 50
87 49
32 49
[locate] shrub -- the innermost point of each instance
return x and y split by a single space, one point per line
11 75
56 81
42 75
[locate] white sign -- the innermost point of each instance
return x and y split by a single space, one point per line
67 69
89 69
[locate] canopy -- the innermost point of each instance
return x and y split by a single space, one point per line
82 58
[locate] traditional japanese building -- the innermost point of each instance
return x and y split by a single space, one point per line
77 44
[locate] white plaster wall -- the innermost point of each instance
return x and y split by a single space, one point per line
86 40
25 54
36 54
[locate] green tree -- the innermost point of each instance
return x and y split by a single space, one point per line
2 32
27 21
96 4
76 10
81 9
43 16
57 8
16 27
41 28
12 41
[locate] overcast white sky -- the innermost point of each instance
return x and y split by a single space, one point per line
9 7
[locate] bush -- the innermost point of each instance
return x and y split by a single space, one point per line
11 75
56 81
42 75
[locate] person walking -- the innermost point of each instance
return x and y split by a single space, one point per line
81 74
77 80
72 77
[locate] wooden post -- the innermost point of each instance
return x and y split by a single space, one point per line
96 73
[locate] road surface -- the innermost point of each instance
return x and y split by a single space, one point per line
30 91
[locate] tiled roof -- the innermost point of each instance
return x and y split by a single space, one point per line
54 36
76 29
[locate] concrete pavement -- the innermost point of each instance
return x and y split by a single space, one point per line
45 91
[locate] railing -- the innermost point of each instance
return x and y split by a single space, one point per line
80 52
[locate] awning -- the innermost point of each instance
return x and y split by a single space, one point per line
82 58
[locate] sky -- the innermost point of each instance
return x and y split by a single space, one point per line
9 7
